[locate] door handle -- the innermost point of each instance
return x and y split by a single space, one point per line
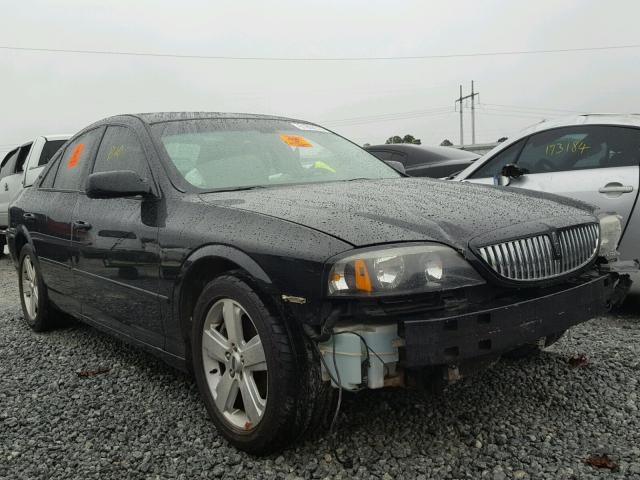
616 188
28 216
81 225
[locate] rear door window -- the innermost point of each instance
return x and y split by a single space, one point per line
75 161
50 174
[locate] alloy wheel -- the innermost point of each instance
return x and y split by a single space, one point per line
29 287
234 364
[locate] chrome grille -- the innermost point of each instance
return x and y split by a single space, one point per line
532 258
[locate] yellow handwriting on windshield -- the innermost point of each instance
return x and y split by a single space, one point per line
566 147
115 151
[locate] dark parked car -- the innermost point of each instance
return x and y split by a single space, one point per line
423 161
279 261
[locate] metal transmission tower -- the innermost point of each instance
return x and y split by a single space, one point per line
460 99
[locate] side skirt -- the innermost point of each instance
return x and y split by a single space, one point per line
169 358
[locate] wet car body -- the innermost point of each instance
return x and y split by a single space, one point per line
136 266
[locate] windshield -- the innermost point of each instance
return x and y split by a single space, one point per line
214 154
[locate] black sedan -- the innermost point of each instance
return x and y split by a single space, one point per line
283 264
425 161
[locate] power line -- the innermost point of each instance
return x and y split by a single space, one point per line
516 107
516 115
382 115
387 119
318 59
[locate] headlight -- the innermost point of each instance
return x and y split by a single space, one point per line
401 271
610 233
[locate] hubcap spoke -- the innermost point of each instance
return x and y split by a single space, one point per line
30 269
215 344
253 355
232 316
29 287
253 404
226 392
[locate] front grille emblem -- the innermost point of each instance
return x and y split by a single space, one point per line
555 244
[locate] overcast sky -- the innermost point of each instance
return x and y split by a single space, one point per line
62 92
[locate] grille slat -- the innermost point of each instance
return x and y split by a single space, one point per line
533 259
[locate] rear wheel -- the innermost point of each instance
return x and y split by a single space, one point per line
257 377
36 309
3 242
533 349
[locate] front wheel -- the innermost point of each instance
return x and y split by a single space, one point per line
3 242
258 382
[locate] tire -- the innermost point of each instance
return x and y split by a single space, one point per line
533 349
36 308
257 374
3 242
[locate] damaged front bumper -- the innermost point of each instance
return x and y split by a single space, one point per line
453 339
376 354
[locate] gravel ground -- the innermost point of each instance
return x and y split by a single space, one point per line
539 418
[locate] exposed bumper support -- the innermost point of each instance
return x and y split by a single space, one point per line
452 339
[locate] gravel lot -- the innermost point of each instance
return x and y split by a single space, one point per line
531 419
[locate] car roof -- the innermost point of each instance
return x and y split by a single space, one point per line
155 117
628 119
429 152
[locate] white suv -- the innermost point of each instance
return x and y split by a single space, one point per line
20 168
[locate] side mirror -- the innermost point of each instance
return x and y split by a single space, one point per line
397 166
511 170
117 184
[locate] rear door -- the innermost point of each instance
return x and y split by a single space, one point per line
596 164
116 240
48 217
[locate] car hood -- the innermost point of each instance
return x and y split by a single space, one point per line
368 212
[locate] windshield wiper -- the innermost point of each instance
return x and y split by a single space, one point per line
237 189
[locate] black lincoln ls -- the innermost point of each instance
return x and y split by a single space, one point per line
283 264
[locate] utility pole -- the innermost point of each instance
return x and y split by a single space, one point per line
473 114
461 119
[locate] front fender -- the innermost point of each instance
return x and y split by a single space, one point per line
226 254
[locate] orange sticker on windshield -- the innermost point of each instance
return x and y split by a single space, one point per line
73 161
295 140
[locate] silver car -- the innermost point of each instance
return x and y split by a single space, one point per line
594 158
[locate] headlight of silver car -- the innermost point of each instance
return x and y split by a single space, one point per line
401 270
610 233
